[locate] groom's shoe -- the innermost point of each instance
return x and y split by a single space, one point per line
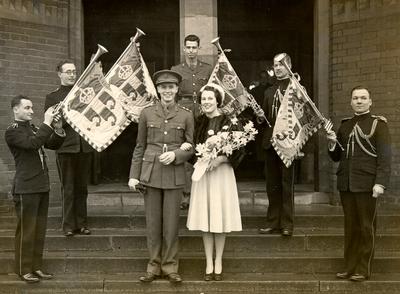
42 275
148 277
29 278
268 231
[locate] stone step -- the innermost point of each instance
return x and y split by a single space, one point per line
133 218
250 193
232 283
6 202
245 198
194 263
6 210
246 242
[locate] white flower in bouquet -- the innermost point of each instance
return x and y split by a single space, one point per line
249 127
227 149
234 120
213 141
222 143
224 136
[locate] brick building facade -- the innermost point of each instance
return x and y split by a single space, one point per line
365 50
355 42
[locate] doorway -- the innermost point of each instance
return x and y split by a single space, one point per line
255 31
111 24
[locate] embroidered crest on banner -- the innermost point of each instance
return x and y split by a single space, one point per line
125 71
229 82
87 95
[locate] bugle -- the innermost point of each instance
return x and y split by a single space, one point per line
250 99
100 51
295 78
133 39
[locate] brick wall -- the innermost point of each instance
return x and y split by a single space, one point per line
365 50
34 37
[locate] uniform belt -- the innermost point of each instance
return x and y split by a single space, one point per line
158 149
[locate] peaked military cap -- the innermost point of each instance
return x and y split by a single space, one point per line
166 76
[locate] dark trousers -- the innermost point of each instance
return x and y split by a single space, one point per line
280 186
359 231
73 169
162 226
31 210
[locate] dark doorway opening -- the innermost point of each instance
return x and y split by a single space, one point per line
111 24
256 30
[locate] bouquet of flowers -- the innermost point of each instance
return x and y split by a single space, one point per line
223 142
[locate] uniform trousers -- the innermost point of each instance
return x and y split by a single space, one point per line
359 231
162 225
73 169
31 211
280 191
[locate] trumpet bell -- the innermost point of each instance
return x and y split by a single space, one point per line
280 57
101 49
214 41
140 32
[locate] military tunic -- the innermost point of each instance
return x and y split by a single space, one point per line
193 79
30 190
162 130
364 162
73 162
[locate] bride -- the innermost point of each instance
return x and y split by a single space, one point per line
214 203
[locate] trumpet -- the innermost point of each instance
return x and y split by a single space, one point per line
133 39
100 51
295 78
251 101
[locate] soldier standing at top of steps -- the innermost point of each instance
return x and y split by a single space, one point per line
362 176
158 162
195 74
31 184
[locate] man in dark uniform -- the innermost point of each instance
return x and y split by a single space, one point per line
195 75
31 184
73 161
279 178
362 176
158 163
258 92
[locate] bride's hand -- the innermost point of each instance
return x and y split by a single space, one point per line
216 162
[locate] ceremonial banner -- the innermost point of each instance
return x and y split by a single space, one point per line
295 123
93 112
130 80
236 96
